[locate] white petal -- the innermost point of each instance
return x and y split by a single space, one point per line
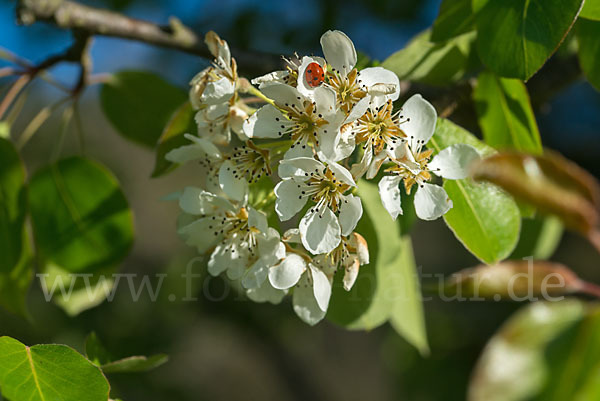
236 260
389 191
218 92
379 159
218 47
200 234
275 76
339 51
359 169
379 75
358 110
285 170
333 145
201 148
287 273
350 274
454 161
213 112
362 248
283 95
351 211
431 202
265 123
257 219
198 201
320 231
321 287
341 173
235 188
265 293
325 98
422 117
305 304
290 199
219 260
256 275
237 118
292 236
304 166
270 247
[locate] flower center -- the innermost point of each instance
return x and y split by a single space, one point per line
379 127
348 88
325 190
413 172
250 162
305 124
235 229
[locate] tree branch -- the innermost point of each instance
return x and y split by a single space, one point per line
93 21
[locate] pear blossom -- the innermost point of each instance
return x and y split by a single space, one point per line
378 129
413 165
215 84
231 172
304 119
335 211
354 88
216 122
311 285
238 235
311 277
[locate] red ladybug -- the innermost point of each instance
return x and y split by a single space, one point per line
314 75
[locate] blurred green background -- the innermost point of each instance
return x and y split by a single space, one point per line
232 349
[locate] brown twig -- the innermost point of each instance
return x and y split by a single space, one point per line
94 21
12 93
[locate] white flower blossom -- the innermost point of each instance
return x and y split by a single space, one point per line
413 166
334 213
242 244
215 84
312 278
216 122
232 172
354 88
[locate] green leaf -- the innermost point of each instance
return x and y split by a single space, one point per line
432 63
15 266
48 372
455 18
135 364
588 35
4 130
539 238
95 351
14 285
551 183
516 37
388 286
407 315
505 115
483 217
139 104
573 362
81 292
591 10
81 219
182 122
548 351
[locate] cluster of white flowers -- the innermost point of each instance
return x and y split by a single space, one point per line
323 126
